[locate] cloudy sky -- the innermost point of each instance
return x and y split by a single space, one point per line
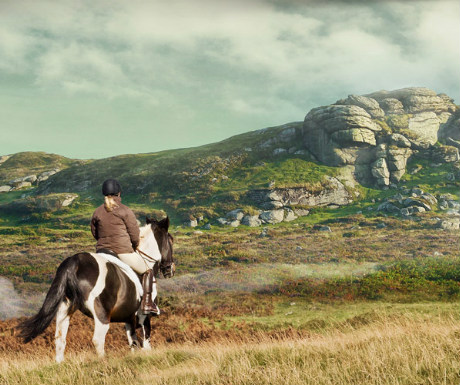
91 79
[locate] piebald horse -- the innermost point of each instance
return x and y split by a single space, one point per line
103 288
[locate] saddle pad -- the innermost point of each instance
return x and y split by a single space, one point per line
126 269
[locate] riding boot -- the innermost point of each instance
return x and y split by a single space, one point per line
147 305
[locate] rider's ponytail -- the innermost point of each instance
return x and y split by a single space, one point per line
110 203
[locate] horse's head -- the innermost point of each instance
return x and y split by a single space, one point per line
165 245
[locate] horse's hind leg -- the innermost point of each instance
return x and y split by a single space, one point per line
62 325
100 331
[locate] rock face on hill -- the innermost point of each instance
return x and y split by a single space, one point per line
377 133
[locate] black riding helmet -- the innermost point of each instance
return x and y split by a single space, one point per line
111 187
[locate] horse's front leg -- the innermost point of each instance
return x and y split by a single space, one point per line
144 321
131 334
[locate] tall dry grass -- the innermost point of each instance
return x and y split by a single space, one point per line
389 350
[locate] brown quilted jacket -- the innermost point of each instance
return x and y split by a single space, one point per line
116 230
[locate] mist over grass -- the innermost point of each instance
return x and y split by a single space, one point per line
261 276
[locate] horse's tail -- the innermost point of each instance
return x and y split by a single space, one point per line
64 285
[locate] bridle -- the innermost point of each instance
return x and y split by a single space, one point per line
167 269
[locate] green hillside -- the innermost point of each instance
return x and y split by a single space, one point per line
27 163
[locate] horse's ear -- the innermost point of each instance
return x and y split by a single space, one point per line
148 220
164 223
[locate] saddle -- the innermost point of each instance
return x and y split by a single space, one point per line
107 251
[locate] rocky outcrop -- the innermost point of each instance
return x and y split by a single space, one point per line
40 204
26 181
377 133
263 217
333 193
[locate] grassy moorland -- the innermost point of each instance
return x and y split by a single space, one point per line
373 301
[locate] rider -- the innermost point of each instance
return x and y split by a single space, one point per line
115 227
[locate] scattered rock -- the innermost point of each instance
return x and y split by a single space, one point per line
272 216
279 151
191 223
322 228
301 212
235 215
222 221
251 221
289 215
207 226
264 233
5 188
449 224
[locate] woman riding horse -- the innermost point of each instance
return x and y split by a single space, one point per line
115 227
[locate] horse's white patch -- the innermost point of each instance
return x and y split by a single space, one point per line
132 337
146 344
62 325
100 331
100 283
148 244
125 268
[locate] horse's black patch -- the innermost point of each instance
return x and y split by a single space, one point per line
118 300
106 301
87 273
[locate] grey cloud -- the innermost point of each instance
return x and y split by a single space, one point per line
250 66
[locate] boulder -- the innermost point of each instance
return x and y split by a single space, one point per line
334 192
289 215
388 207
301 212
392 106
399 140
5 188
235 215
234 223
45 175
20 185
416 99
222 221
449 224
320 123
431 199
30 178
354 136
191 223
370 105
424 126
271 205
416 202
272 216
287 134
380 172
68 199
397 161
279 151
251 221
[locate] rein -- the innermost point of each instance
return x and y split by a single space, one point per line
146 255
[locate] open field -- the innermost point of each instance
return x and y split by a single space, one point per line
373 301
413 345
